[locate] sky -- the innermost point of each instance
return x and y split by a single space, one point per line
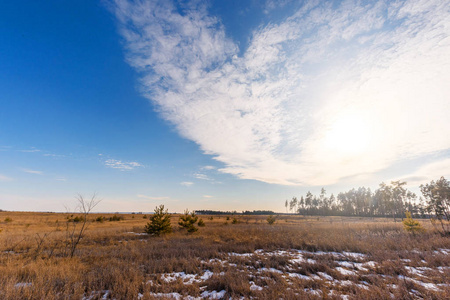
223 105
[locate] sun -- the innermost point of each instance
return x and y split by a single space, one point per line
348 135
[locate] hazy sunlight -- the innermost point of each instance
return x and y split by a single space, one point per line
349 135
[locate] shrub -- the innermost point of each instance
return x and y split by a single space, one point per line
74 234
116 218
271 220
235 221
188 221
8 219
100 219
77 219
411 225
159 222
201 223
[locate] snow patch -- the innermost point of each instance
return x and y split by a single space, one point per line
255 287
186 278
345 271
213 294
272 270
23 284
326 276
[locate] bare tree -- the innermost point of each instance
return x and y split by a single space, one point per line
75 230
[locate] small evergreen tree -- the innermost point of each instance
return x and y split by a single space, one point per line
159 222
188 221
201 223
411 225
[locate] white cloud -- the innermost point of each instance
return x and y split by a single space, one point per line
428 172
271 5
32 171
54 155
152 198
330 92
32 150
5 178
201 176
186 183
123 166
208 168
207 196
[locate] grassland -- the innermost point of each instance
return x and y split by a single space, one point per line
296 258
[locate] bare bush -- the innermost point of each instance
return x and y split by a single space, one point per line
75 230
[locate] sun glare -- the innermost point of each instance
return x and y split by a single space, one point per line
349 135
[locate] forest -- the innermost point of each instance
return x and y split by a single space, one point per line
389 200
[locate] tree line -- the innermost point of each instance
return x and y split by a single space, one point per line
246 212
389 200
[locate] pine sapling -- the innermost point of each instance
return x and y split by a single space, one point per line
411 225
159 222
188 220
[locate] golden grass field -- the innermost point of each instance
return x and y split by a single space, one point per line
296 258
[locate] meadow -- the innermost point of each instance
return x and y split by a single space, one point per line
296 258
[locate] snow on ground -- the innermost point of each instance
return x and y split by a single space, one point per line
326 276
137 233
347 269
271 270
255 287
300 276
23 284
175 296
213 294
96 294
186 278
344 271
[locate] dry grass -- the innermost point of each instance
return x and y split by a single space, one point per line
115 261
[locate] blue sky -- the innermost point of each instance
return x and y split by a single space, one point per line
228 105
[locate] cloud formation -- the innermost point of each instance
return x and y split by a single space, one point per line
32 171
152 198
428 172
333 91
32 150
5 178
123 166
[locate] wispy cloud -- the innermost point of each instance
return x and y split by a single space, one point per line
207 196
123 166
201 176
32 171
32 150
5 178
333 91
152 198
428 172
54 155
208 168
271 5
186 183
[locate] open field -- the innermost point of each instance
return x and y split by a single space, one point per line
296 258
